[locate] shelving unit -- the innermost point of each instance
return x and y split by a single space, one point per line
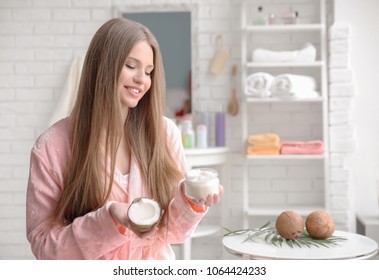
248 67
285 157
281 65
284 27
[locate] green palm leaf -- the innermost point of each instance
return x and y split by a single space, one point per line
275 241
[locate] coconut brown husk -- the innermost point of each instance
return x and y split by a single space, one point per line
320 224
289 225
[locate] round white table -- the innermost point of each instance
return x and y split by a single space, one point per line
355 247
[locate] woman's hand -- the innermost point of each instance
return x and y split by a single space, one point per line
209 200
119 212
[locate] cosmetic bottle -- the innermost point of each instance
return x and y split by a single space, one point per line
261 19
203 117
290 17
201 136
296 20
188 134
272 19
220 128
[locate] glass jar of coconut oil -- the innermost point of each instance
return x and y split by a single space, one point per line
201 182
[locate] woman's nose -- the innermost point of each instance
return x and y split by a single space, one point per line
139 76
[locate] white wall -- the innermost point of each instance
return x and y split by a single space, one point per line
363 19
39 39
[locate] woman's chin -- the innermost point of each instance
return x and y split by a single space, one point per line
130 103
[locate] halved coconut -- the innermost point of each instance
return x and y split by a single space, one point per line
144 213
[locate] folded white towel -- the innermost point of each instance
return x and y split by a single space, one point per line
291 85
306 54
258 84
68 96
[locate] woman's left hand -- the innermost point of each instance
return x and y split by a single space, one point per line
210 199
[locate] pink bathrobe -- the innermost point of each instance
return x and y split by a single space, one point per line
95 235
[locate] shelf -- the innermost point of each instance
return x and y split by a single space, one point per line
285 27
283 64
206 157
286 157
285 99
206 151
275 211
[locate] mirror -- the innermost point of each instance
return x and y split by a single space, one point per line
172 28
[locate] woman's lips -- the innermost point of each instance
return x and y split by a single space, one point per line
133 90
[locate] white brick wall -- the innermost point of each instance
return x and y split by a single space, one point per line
39 39
342 131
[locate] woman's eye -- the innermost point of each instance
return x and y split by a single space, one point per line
132 67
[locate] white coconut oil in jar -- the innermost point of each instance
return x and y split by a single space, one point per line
201 182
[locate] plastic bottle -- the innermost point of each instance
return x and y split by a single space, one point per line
201 136
188 134
297 18
261 19
220 128
272 19
202 117
290 17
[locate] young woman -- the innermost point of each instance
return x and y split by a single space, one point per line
116 146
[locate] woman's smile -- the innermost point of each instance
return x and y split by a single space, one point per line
133 90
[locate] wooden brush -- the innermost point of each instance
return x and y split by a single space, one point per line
233 107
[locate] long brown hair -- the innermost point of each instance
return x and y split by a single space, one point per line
97 113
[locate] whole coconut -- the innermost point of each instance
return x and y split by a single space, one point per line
320 224
289 225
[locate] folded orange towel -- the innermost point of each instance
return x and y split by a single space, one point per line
307 147
263 149
263 138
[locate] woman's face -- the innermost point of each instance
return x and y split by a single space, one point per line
135 77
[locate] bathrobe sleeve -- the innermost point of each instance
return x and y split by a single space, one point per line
89 236
182 219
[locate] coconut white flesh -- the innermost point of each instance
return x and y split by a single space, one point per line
144 212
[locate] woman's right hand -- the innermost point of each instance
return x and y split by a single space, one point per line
119 212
